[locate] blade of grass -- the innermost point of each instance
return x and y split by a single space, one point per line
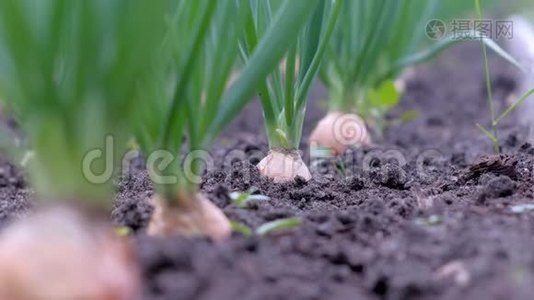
489 89
488 133
513 107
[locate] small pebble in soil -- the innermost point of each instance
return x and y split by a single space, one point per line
133 214
431 220
459 159
511 141
346 217
498 187
485 178
10 177
527 148
325 229
391 176
356 183
522 208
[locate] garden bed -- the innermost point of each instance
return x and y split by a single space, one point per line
448 224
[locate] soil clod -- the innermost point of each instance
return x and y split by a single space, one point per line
502 164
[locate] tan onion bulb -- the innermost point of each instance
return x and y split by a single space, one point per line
338 131
283 166
193 215
60 254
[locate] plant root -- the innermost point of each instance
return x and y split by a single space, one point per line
338 131
58 253
192 215
283 166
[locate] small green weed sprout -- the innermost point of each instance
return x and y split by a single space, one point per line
241 199
272 227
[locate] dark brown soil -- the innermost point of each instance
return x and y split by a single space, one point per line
437 225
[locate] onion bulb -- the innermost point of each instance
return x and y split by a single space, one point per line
60 254
338 131
283 166
191 215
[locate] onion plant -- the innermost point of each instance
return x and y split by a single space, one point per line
189 112
68 72
360 66
373 44
284 93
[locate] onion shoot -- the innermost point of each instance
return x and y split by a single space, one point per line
360 69
284 96
68 72
199 105
372 47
